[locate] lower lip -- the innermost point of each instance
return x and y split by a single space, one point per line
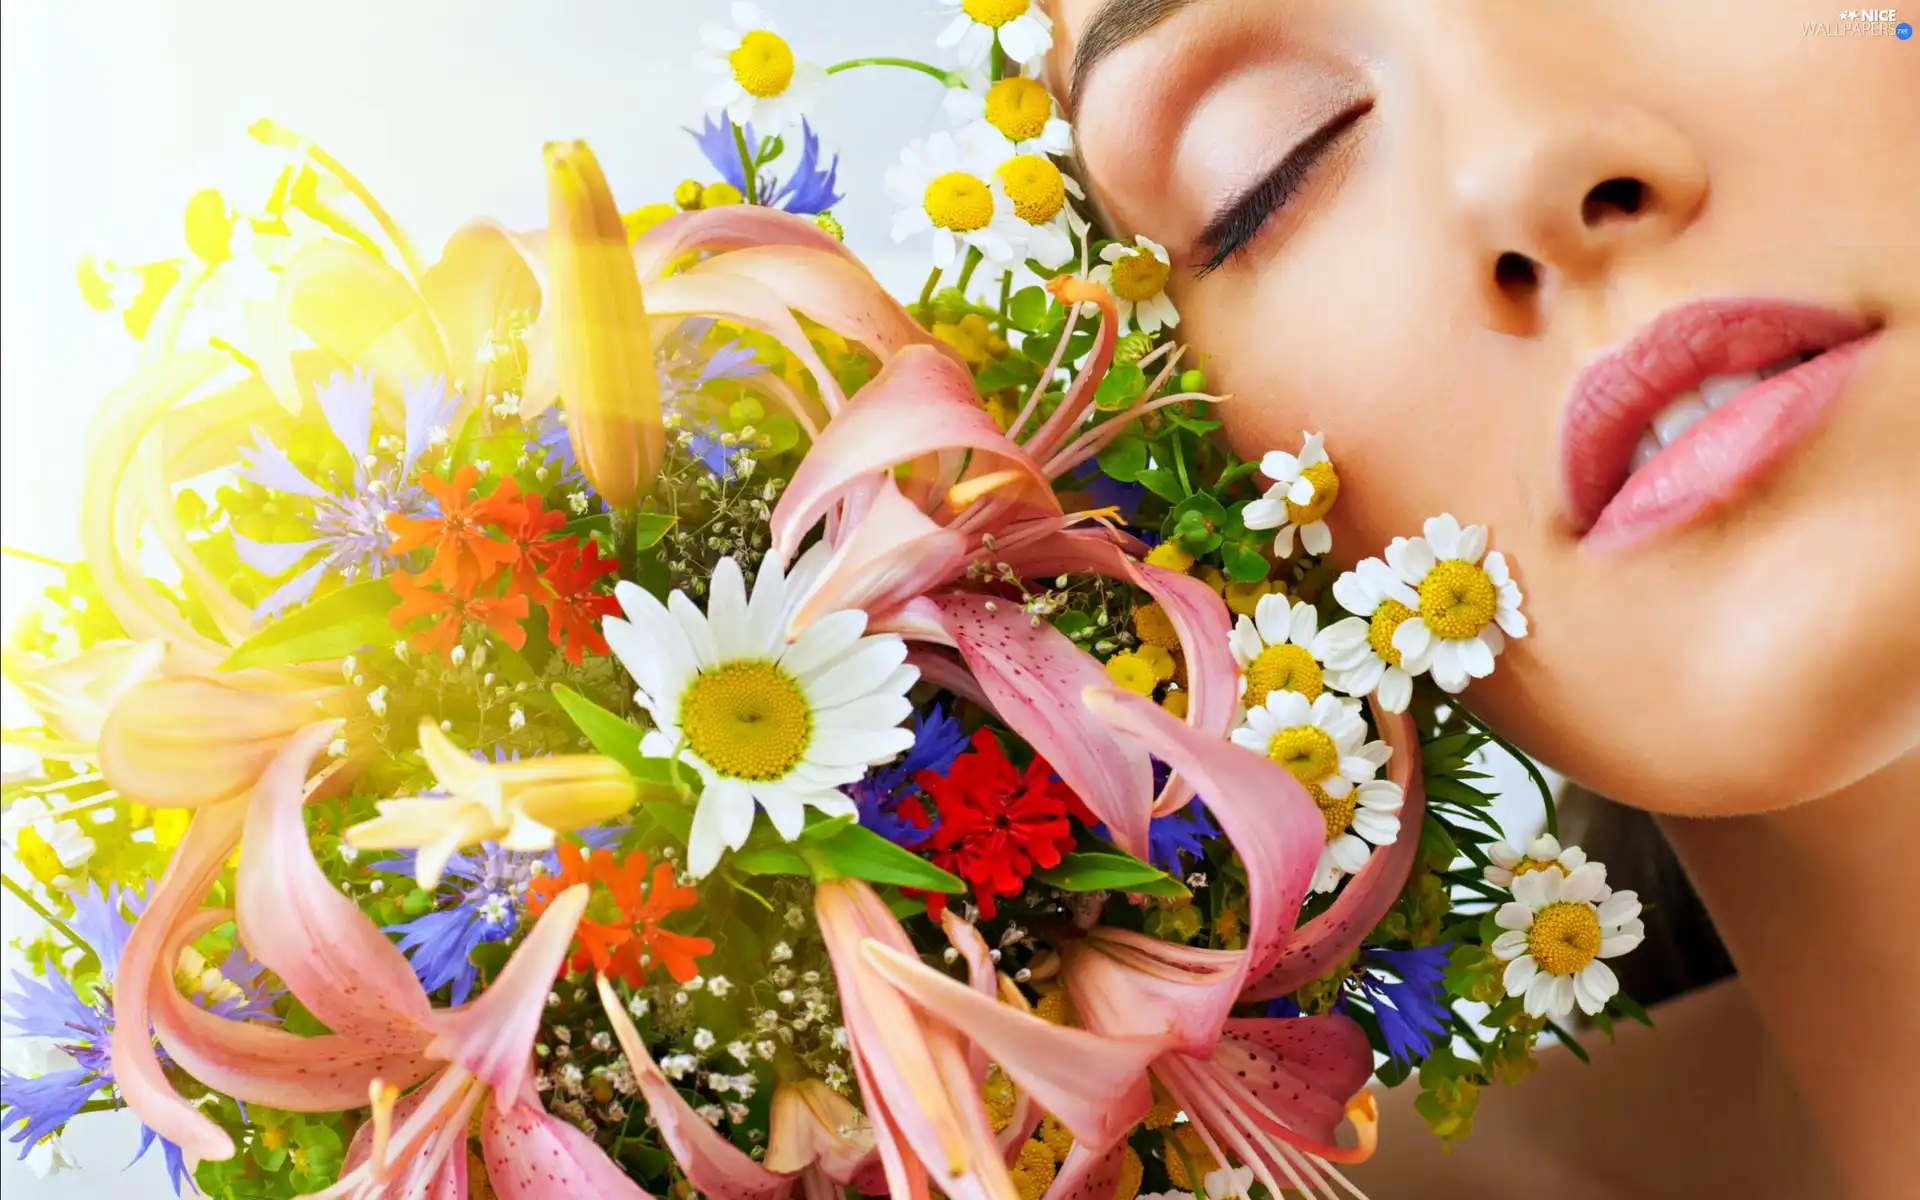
1727 450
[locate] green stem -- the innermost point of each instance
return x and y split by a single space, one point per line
1236 471
752 190
30 556
926 297
1180 465
999 60
1006 302
950 78
966 270
1539 780
40 910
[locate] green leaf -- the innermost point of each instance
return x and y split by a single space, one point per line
825 828
1124 457
582 526
858 853
1630 1008
1005 373
780 433
1164 484
331 627
1244 564
769 860
1121 387
650 527
676 819
1109 871
1072 623
611 734
1029 308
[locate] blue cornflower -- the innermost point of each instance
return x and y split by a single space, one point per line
349 518
1186 830
937 741
82 1026
481 899
683 368
1104 491
1404 988
806 192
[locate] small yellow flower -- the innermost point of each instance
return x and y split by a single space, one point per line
1184 1150
1159 659
1137 276
1175 703
1055 1137
1054 1007
1133 673
1170 555
719 195
687 193
1152 625
1244 598
641 219
1033 1172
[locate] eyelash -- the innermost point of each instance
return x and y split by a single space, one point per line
1241 221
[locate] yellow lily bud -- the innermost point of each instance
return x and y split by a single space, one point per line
687 193
520 805
719 195
602 347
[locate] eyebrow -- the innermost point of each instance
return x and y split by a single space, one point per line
1115 24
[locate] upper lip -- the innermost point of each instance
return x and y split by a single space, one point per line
1624 388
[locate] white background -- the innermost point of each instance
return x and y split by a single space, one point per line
116 111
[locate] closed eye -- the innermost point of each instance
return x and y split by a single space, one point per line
1241 219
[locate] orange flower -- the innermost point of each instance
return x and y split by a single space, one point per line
464 554
501 614
574 605
620 935
529 527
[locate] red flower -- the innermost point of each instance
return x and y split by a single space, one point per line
530 526
574 606
620 935
464 554
501 614
996 824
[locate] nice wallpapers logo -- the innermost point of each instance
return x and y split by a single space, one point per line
1862 22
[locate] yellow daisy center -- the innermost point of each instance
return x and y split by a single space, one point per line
1565 937
1326 489
1019 108
1132 672
1307 751
1386 619
1152 625
1160 659
1139 276
1338 813
959 202
747 720
1035 186
994 12
1285 667
1528 866
40 859
1457 600
762 63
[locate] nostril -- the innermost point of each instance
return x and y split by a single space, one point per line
1614 198
1517 275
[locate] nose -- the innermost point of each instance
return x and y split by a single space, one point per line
1553 184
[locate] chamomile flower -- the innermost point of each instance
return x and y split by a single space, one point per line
765 722
939 188
1275 650
1015 115
1466 610
1323 743
1541 853
52 848
763 84
1137 276
1359 649
1304 489
1558 928
1038 191
1024 32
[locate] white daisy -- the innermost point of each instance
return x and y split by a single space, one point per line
939 188
1137 276
764 85
763 720
1466 611
1304 489
1275 650
1359 650
1038 191
1024 32
1540 853
1229 1183
1558 929
1323 744
1015 115
51 848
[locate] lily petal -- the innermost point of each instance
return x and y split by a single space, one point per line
187 742
895 553
533 1156
729 227
829 289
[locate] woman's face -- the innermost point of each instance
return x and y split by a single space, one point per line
1485 283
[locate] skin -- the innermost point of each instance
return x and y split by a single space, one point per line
1760 663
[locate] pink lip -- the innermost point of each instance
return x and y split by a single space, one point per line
1619 393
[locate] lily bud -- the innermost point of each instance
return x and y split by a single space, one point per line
188 742
601 345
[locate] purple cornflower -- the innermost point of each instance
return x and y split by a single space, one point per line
1404 989
1167 836
807 192
937 741
82 1026
683 367
349 518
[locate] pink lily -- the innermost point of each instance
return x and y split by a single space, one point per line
386 1034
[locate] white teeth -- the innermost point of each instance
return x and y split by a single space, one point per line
1644 452
1721 388
1678 417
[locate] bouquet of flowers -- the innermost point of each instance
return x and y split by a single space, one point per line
633 708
